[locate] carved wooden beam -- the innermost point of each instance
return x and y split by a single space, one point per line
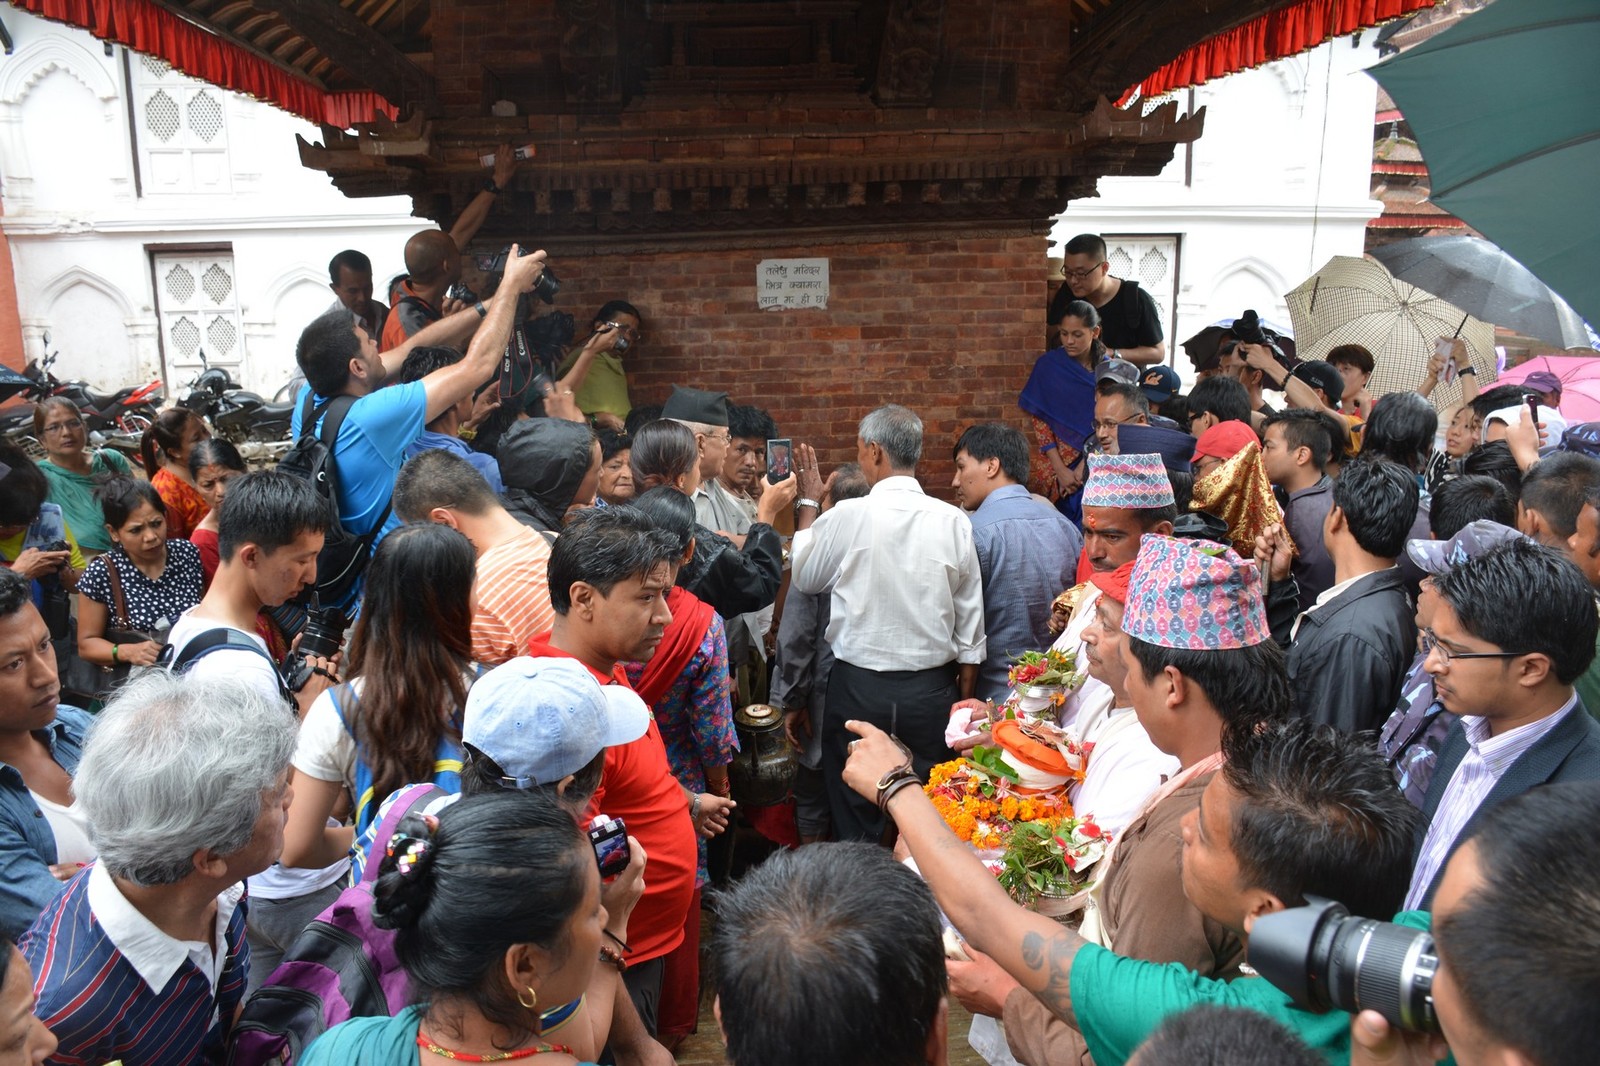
359 50
912 38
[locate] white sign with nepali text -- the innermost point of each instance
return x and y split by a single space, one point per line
791 284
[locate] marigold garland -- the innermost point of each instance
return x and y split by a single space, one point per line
982 809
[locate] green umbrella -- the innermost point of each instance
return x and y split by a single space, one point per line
1503 105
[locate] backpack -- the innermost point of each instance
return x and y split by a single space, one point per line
343 966
220 639
344 555
446 767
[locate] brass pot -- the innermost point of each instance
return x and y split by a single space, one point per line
762 773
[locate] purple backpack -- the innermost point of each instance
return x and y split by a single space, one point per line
342 967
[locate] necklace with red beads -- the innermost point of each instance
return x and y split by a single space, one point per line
426 1044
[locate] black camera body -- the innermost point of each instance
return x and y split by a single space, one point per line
459 291
1325 959
621 344
545 288
1247 328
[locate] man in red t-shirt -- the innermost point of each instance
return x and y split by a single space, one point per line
609 578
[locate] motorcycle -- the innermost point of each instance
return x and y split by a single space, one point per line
243 418
113 417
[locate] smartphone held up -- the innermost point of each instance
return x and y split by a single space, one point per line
780 459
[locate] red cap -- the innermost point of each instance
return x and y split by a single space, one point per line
1113 583
1224 440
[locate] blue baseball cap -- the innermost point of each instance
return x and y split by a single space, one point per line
542 719
1160 383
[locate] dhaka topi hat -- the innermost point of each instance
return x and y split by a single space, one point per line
1225 440
542 718
1160 383
696 405
1173 445
1186 594
1441 556
1135 482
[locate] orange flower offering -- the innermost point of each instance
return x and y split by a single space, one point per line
982 804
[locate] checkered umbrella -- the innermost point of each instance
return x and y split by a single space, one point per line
1357 301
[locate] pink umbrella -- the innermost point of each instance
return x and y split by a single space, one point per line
1580 383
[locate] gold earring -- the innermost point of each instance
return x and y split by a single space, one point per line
533 995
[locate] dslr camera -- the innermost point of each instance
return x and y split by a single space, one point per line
494 266
321 637
1325 959
1249 330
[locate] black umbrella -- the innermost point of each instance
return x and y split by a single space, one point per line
1481 279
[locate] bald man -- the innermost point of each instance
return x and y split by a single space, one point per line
433 264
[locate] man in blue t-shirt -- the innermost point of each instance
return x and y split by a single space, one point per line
340 358
1297 809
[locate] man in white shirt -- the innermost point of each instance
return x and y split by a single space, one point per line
1512 630
267 543
1125 497
1125 767
906 623
270 531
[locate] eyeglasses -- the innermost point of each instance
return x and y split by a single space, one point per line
1081 275
64 427
1430 644
1108 424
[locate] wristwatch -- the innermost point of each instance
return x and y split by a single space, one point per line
490 186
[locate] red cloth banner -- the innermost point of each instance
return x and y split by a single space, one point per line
145 27
1284 32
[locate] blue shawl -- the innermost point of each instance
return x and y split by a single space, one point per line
1060 393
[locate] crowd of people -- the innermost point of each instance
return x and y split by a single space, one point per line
1329 653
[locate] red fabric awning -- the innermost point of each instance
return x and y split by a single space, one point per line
145 27
1285 32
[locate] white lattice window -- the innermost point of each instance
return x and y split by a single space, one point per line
1152 261
199 310
181 128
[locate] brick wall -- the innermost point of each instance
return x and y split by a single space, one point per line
949 328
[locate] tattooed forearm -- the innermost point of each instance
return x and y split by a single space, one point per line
1052 959
1033 951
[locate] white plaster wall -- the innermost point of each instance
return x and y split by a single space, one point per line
80 234
1280 182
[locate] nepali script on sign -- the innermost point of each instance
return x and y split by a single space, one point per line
791 284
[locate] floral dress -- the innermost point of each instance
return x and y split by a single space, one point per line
696 718
185 508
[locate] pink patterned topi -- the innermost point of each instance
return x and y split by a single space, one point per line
1131 482
1192 595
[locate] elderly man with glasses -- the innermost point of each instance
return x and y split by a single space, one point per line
1510 633
1130 322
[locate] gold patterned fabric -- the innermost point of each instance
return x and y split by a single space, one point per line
1239 493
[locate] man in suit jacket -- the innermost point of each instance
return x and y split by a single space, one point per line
1513 629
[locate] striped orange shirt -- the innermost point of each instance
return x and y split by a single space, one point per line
513 594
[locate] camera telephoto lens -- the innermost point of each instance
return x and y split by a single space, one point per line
1325 959
323 634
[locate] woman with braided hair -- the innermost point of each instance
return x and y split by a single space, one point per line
497 906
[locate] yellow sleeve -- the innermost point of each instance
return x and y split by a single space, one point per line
76 561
